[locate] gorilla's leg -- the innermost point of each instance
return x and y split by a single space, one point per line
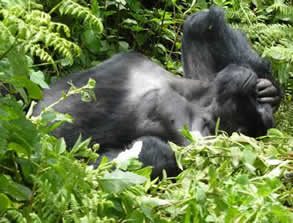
209 44
152 152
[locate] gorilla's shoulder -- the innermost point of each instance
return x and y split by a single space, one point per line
129 55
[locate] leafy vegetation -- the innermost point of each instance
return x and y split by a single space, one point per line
225 179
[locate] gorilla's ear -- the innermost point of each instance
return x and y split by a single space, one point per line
235 79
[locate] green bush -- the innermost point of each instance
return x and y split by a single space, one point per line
224 179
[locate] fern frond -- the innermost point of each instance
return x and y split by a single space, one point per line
280 53
273 41
59 27
37 17
242 13
283 9
264 36
6 38
69 7
36 33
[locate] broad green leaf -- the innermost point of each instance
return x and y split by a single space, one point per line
17 191
18 149
91 40
4 202
10 109
33 89
38 78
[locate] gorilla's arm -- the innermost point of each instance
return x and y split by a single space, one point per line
209 45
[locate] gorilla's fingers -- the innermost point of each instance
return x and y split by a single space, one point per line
270 100
263 83
266 92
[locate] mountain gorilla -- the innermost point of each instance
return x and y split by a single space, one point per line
137 100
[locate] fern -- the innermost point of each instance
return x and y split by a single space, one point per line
282 9
241 12
69 7
37 35
275 42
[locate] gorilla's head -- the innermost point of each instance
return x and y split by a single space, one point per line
238 108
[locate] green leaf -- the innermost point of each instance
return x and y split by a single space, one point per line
231 215
4 202
28 169
18 149
22 133
243 180
48 116
282 214
17 191
145 172
236 155
91 40
10 109
161 48
249 156
33 90
212 176
275 132
38 78
153 202
200 194
186 133
60 146
18 63
118 181
130 21
123 46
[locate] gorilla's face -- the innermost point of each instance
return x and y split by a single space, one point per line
244 114
238 108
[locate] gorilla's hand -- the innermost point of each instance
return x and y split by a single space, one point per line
267 93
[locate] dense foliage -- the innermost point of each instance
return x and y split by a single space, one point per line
225 179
